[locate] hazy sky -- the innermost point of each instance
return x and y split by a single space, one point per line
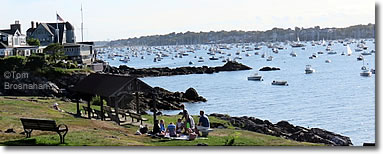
118 19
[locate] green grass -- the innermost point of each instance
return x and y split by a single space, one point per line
85 132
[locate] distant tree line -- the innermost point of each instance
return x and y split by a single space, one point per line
275 34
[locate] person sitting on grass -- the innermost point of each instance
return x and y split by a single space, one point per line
179 126
156 128
204 123
171 130
189 124
162 126
56 107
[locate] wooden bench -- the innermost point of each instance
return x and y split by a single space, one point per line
137 116
90 110
114 117
43 125
98 114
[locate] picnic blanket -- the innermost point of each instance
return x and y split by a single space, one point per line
181 137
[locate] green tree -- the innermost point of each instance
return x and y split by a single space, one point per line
55 52
12 63
36 61
96 100
33 42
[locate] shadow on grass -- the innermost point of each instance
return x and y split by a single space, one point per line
26 142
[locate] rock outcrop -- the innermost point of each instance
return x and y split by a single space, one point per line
166 71
268 68
286 130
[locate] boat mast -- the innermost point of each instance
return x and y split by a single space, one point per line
82 26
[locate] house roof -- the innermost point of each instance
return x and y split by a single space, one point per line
8 31
48 28
3 46
107 85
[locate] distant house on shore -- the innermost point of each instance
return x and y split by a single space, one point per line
13 42
81 52
46 33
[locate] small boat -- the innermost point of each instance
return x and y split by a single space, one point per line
255 77
258 48
358 49
328 61
328 48
320 52
309 69
343 54
372 71
263 55
213 58
366 73
360 58
256 53
366 53
331 52
270 58
293 54
200 60
191 63
280 83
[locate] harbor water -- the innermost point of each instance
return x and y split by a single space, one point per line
335 97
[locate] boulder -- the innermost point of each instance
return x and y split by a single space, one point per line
191 94
268 68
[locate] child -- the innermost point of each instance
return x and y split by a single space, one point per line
179 126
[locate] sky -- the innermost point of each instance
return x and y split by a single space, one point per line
121 19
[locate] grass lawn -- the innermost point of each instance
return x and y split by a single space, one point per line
86 132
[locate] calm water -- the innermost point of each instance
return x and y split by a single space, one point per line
335 97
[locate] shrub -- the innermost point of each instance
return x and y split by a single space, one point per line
96 100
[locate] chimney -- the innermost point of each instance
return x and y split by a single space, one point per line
32 24
16 26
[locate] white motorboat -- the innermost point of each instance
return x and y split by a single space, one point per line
366 73
360 58
255 77
280 83
328 48
270 58
309 69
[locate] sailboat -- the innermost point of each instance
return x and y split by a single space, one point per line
349 51
323 42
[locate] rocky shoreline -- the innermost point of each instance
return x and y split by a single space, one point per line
284 129
166 71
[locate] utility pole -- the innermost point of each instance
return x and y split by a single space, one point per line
82 26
